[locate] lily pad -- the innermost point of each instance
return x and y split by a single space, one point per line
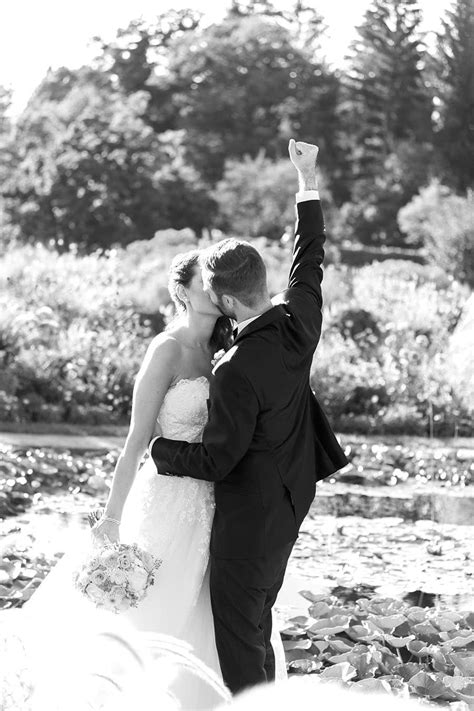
296 655
463 688
431 685
313 597
469 619
390 622
419 649
293 633
372 686
398 642
300 621
427 633
340 646
329 626
321 609
304 666
409 670
341 672
302 644
464 662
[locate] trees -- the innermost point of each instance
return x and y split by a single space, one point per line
91 172
387 115
243 86
388 100
454 81
104 154
234 88
7 161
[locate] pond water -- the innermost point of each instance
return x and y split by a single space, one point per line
423 562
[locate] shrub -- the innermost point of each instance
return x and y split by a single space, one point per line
445 224
256 197
73 332
383 364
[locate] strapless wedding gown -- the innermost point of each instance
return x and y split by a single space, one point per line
170 517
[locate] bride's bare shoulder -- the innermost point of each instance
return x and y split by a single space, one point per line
164 350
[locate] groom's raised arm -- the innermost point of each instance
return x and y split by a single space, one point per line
226 437
304 285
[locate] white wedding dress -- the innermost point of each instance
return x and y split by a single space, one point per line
170 517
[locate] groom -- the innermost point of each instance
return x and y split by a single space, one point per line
267 441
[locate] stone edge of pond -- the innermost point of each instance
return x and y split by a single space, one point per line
411 503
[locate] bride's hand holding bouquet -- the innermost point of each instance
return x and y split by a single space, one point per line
104 528
114 576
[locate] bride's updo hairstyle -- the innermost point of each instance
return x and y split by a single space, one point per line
181 271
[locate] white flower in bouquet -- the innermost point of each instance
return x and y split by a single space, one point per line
138 579
125 560
117 577
98 577
110 559
95 593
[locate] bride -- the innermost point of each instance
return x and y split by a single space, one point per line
168 516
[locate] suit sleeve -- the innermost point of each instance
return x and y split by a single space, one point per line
226 438
304 285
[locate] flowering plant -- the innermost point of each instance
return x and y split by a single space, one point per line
117 576
217 356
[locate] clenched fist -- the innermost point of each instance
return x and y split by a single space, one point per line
304 156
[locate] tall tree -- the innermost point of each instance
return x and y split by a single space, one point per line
5 104
234 88
388 100
387 113
242 86
304 21
138 60
7 159
454 79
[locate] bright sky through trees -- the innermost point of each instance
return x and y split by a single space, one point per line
37 35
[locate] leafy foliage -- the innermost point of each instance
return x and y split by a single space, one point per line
371 643
444 224
89 171
388 113
383 644
257 197
73 331
453 77
383 363
388 97
103 155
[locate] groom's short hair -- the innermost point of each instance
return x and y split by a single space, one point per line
235 268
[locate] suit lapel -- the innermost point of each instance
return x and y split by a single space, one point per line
270 316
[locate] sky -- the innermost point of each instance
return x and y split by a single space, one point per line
38 34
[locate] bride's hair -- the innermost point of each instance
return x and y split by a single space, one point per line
182 269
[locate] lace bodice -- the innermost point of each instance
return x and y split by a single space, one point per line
183 413
158 505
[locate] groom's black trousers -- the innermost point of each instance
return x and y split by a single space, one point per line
243 592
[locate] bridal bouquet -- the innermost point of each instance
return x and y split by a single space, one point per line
117 576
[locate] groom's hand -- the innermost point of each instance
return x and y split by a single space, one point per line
304 156
157 432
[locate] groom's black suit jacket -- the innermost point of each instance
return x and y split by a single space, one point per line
267 441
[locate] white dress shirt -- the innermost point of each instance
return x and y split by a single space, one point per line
247 322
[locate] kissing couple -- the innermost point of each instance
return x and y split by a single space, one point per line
235 449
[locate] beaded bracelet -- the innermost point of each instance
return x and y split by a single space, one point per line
112 520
